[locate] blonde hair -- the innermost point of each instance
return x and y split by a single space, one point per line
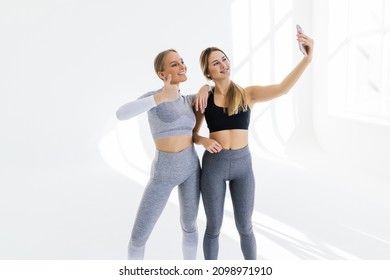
236 100
159 60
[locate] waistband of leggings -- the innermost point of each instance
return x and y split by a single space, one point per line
187 151
232 154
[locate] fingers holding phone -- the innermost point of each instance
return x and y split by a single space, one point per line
305 43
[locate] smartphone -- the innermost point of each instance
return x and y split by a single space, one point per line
301 45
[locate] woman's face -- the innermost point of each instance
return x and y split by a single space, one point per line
218 66
174 65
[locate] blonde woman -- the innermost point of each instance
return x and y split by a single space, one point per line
227 156
176 163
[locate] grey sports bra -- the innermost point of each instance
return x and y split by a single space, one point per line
166 119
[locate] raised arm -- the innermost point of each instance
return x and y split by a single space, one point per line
257 94
136 107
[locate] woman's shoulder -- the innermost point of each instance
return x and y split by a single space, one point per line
189 97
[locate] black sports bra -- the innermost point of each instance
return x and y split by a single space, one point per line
217 118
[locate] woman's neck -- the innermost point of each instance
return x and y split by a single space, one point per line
222 87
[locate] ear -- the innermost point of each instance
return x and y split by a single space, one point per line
161 75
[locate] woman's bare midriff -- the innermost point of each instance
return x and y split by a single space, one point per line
173 144
233 139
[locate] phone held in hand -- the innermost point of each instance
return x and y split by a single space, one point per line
301 45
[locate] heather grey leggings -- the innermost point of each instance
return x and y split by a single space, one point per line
234 166
168 170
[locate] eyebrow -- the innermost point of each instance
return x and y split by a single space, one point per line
216 60
176 61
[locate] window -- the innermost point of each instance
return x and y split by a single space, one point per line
359 59
264 45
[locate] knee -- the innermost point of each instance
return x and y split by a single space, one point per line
212 231
245 230
189 227
188 224
211 235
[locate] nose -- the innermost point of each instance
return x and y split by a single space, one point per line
182 66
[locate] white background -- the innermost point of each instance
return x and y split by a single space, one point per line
71 176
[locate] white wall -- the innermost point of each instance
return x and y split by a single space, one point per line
364 143
66 66
68 191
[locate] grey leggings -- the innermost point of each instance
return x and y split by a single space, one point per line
234 166
168 170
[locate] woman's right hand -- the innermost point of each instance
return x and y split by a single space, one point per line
169 92
211 145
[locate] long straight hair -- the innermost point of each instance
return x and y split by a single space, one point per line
236 100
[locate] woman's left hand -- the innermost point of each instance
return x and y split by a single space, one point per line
308 43
200 101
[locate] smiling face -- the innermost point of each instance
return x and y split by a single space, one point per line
215 64
218 66
172 64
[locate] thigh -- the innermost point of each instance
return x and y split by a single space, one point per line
242 189
189 196
213 189
152 204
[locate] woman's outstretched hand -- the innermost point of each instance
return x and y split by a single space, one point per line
308 43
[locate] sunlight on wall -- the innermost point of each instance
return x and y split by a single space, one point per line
359 60
263 45
123 150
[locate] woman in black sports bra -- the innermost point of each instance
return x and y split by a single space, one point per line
227 156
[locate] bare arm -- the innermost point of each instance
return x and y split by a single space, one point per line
257 94
209 144
200 101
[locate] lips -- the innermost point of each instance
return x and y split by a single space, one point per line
225 71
